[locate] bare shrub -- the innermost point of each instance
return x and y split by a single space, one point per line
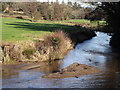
54 45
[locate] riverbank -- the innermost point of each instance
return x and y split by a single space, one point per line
95 52
29 46
53 46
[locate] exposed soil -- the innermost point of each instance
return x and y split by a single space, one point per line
74 70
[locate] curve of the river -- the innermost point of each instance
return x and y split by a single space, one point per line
95 52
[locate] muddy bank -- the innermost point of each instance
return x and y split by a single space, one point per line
52 70
74 70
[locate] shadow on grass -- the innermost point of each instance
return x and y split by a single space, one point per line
21 18
46 27
77 34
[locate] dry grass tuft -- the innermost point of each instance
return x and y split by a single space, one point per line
54 45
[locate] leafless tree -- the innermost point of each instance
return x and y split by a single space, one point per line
31 9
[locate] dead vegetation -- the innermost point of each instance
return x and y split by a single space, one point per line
54 46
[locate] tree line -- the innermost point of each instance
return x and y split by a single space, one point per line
47 10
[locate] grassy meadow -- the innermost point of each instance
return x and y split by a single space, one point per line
26 35
23 29
16 29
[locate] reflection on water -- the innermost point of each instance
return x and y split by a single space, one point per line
52 67
8 73
95 52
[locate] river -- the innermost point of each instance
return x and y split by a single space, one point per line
94 52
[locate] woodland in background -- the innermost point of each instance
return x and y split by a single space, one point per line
52 10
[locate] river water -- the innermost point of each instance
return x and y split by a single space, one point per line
95 52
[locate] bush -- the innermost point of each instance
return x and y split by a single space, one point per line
28 52
54 46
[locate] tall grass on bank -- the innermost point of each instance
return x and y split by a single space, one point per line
54 46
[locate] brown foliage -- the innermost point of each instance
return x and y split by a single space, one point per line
31 9
55 45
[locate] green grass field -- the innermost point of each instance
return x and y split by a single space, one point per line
14 29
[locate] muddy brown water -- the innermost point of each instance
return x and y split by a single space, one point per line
95 52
